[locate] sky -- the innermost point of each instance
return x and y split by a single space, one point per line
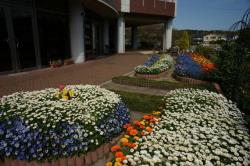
209 14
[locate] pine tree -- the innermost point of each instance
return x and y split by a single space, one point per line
184 41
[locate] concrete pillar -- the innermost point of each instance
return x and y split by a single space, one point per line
121 35
106 37
76 23
135 38
167 35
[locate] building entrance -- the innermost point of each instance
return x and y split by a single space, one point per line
16 39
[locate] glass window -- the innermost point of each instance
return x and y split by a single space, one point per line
5 56
53 5
53 36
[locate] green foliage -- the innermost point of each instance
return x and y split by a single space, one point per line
233 73
183 42
208 52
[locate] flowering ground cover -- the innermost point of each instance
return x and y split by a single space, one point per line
155 64
193 65
196 127
57 123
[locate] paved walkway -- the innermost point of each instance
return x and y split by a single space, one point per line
135 89
91 72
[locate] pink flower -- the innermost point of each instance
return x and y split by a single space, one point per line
61 87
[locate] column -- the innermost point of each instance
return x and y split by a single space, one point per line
135 37
76 19
167 35
106 37
121 35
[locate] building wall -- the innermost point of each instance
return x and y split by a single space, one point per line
152 7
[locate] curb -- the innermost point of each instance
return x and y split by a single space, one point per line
83 160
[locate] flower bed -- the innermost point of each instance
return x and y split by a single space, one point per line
196 127
52 123
193 65
156 64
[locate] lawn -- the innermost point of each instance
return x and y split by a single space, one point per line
140 102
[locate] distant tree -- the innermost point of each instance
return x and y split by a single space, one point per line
183 42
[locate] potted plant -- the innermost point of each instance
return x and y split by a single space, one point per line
56 63
68 62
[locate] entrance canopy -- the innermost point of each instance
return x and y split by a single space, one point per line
103 7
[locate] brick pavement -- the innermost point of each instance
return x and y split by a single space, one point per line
91 72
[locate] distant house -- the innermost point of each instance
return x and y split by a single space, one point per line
213 37
197 40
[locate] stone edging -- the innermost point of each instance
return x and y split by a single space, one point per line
150 75
82 160
196 82
189 80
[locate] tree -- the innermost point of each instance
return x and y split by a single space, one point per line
183 42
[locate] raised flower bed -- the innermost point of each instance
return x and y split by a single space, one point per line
192 66
196 127
154 66
60 123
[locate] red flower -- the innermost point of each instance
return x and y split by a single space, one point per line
61 87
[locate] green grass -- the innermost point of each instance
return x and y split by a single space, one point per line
140 102
143 82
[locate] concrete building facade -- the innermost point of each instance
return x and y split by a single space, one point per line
35 32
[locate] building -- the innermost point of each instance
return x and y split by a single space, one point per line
213 37
34 32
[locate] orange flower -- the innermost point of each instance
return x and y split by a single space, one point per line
123 158
127 125
133 132
115 148
153 120
147 117
137 123
131 145
130 128
142 127
108 164
143 133
149 129
119 154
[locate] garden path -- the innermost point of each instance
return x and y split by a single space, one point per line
91 72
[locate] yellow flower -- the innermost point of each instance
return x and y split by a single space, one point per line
124 141
118 160
142 122
126 136
108 164
65 92
136 138
71 93
118 164
156 113
65 98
